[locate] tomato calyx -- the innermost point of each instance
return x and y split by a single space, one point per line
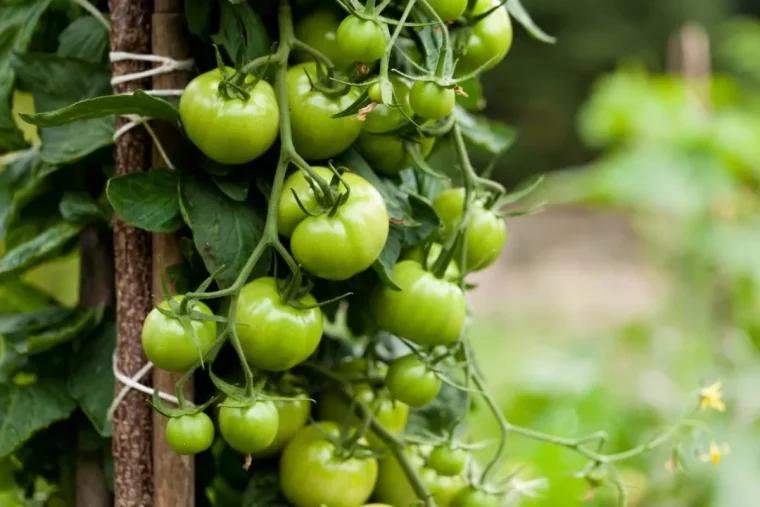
327 202
184 408
326 83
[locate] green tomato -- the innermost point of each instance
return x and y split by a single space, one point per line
340 246
387 153
411 381
490 38
384 118
448 10
486 232
427 310
249 429
293 414
361 40
416 254
374 93
447 461
166 343
313 473
431 100
190 434
229 130
276 336
319 30
471 497
316 135
394 488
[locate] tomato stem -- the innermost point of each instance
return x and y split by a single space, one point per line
443 67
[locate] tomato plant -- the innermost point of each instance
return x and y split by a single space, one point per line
190 434
319 30
448 461
388 153
449 10
248 428
293 414
430 100
411 381
490 37
361 40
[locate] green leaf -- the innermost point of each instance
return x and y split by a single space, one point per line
18 297
30 408
18 21
236 185
85 39
69 143
198 16
240 26
225 232
67 79
389 256
138 103
425 222
29 322
395 199
38 249
78 324
263 489
80 208
91 381
519 13
360 103
488 135
147 200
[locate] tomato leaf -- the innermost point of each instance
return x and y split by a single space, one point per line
80 322
38 249
30 408
225 232
85 39
80 208
236 185
263 489
147 200
198 16
17 24
488 135
33 320
390 254
18 297
241 27
518 12
91 382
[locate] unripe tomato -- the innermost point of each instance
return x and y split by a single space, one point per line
293 414
314 473
471 497
427 310
416 253
486 232
229 130
340 246
168 346
361 40
319 30
317 136
190 434
431 100
490 38
276 336
448 10
394 488
387 153
249 429
447 461
411 381
384 118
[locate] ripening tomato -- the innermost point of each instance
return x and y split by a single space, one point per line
431 100
274 335
319 30
316 135
190 434
340 246
427 310
388 154
249 429
411 381
361 40
490 38
486 232
166 343
293 414
314 473
229 130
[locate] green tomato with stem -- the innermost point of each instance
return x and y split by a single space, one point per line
448 10
166 343
314 472
190 434
490 38
417 254
275 335
383 117
320 31
486 231
387 153
229 130
361 40
251 428
411 381
339 245
316 134
427 310
293 414
448 461
430 100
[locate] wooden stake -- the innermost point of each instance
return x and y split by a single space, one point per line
174 478
132 428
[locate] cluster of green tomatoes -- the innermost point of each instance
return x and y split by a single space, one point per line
334 236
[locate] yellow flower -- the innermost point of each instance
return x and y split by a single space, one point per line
715 453
712 397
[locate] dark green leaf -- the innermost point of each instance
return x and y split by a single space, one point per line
488 135
147 200
38 249
18 297
519 13
225 231
236 185
63 78
438 416
428 186
395 198
198 16
30 408
263 489
80 208
29 322
91 380
68 143
138 103
425 222
85 39
385 263
18 21
78 324
241 28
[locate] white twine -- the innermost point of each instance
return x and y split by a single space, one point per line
133 383
167 65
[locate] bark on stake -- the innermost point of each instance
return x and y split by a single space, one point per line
174 478
132 428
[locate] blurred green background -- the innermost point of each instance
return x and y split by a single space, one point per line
641 283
